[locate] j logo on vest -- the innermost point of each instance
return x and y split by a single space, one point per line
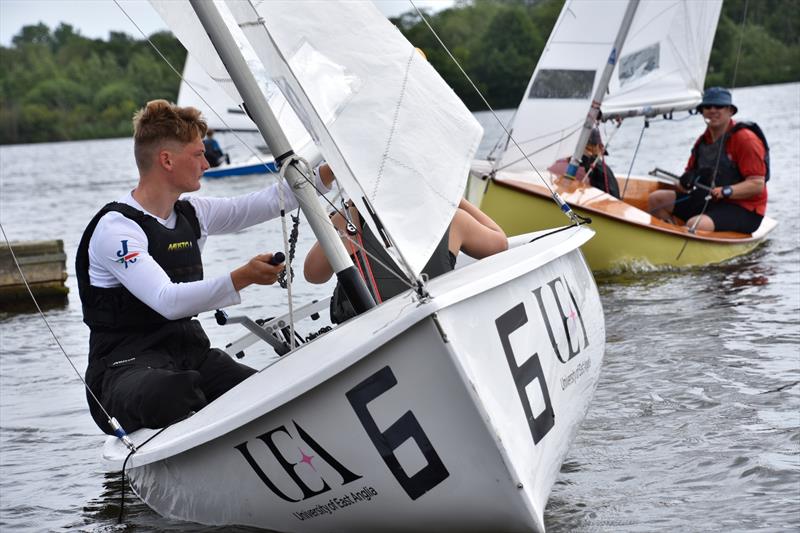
124 256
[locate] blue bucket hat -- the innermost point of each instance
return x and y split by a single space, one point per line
718 96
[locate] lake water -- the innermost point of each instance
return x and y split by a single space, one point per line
695 425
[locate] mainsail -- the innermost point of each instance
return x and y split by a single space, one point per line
397 137
661 69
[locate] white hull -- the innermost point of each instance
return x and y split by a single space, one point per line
452 414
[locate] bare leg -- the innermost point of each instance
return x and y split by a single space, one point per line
660 204
705 223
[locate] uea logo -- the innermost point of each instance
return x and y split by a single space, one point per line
290 468
124 256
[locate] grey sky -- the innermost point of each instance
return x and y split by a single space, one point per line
95 18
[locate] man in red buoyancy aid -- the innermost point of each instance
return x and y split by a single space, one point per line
730 163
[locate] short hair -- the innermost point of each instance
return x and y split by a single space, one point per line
160 121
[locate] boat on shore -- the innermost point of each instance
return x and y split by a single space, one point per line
657 69
450 406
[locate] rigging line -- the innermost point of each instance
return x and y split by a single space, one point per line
741 41
543 148
44 318
486 103
297 161
724 136
124 465
635 152
342 213
255 153
549 133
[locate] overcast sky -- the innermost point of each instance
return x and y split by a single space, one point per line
95 18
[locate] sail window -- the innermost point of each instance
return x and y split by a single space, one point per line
634 66
552 83
329 85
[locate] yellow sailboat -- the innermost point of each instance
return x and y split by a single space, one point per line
628 238
662 71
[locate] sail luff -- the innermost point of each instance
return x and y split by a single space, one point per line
602 85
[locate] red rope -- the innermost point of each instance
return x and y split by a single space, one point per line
368 267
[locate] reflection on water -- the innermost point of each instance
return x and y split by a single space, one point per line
24 305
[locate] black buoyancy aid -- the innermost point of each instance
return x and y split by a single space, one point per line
370 262
705 155
175 250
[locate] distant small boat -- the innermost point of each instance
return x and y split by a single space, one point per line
254 165
659 67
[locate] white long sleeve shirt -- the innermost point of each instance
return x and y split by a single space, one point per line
118 251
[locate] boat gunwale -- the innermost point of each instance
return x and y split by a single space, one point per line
386 322
731 238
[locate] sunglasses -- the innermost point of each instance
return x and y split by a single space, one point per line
712 106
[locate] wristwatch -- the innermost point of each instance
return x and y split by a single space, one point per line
727 191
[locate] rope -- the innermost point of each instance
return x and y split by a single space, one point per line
741 41
645 125
554 195
124 466
292 246
118 429
299 161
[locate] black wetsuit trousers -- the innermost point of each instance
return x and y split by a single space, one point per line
158 378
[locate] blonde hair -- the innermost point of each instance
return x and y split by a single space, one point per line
160 121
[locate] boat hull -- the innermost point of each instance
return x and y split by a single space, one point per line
631 241
242 169
460 421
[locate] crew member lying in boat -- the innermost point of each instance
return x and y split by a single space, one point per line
593 162
471 231
729 163
140 278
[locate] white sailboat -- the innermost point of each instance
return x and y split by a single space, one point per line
451 407
658 68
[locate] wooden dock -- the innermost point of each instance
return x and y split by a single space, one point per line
44 266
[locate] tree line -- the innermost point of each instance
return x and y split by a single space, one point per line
57 85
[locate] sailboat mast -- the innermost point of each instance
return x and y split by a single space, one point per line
602 87
271 131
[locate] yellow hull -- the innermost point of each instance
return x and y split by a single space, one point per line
619 244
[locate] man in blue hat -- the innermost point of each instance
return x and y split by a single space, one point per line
724 186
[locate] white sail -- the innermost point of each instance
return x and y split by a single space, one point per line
663 64
661 68
221 112
394 133
207 75
555 103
